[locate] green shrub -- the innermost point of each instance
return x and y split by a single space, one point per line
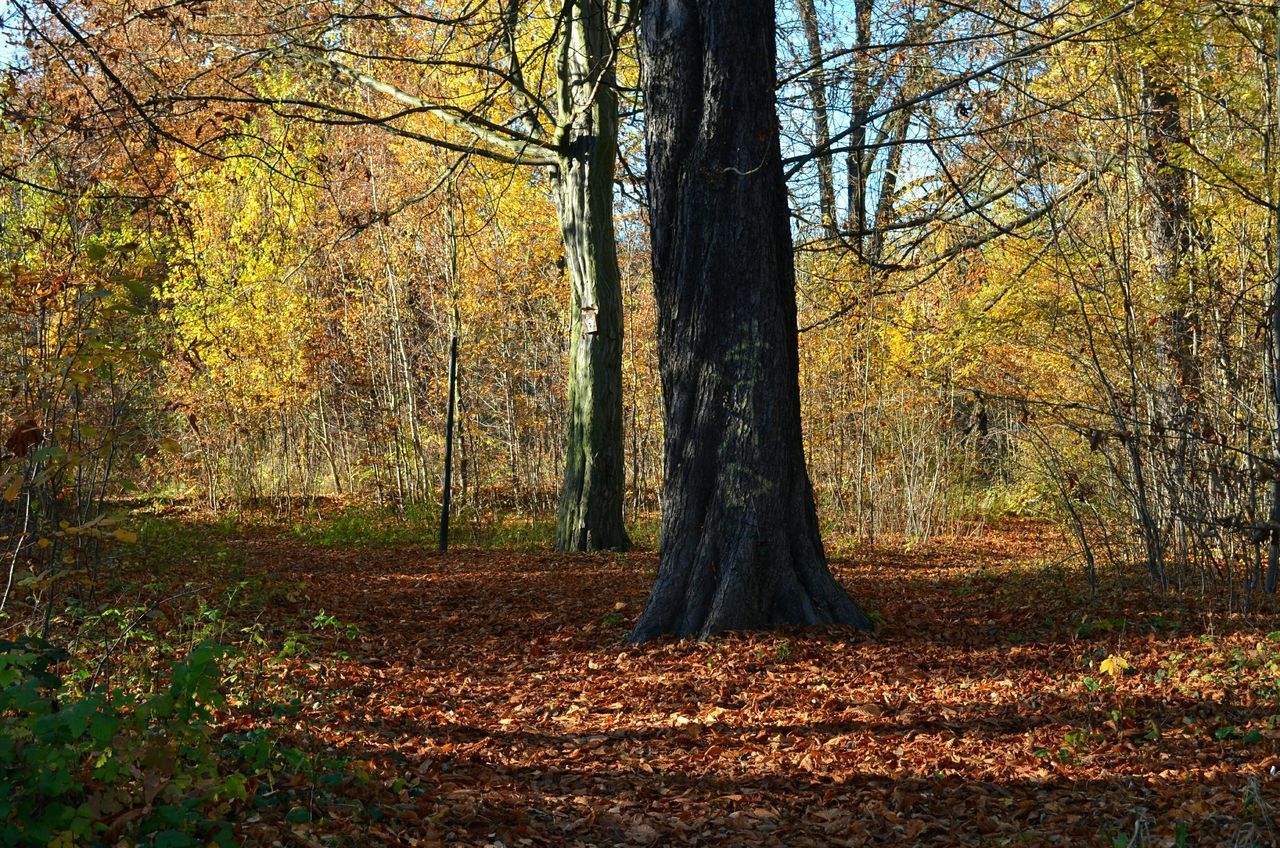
109 766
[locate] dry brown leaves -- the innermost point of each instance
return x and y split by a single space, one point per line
496 702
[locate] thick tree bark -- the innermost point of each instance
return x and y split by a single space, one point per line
740 543
591 497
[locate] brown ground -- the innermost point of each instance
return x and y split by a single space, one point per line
494 701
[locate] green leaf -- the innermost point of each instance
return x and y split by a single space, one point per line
235 786
103 729
174 839
79 714
140 289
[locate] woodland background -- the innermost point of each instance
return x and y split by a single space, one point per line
1036 284
270 316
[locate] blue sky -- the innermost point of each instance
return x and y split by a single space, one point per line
6 49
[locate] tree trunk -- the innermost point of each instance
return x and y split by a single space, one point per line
817 83
1171 236
888 190
861 100
740 542
591 497
1273 360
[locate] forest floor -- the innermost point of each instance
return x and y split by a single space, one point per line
488 698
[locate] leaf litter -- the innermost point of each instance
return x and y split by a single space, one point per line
493 700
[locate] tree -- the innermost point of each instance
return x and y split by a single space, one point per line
740 541
817 86
590 513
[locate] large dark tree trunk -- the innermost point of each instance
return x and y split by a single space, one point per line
740 541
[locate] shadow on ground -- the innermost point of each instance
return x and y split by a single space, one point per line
495 698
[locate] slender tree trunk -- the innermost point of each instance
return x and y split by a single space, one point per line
886 203
591 496
740 542
1171 236
817 83
861 99
1273 516
1273 549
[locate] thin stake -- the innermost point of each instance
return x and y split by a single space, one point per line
448 446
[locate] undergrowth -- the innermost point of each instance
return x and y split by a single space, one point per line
154 708
373 527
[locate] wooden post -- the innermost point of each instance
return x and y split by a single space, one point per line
448 446
1273 360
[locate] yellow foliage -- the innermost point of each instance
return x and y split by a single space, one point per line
1114 665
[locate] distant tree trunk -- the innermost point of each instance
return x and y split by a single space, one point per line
1273 549
1171 237
1273 516
861 99
817 83
591 496
901 124
740 541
